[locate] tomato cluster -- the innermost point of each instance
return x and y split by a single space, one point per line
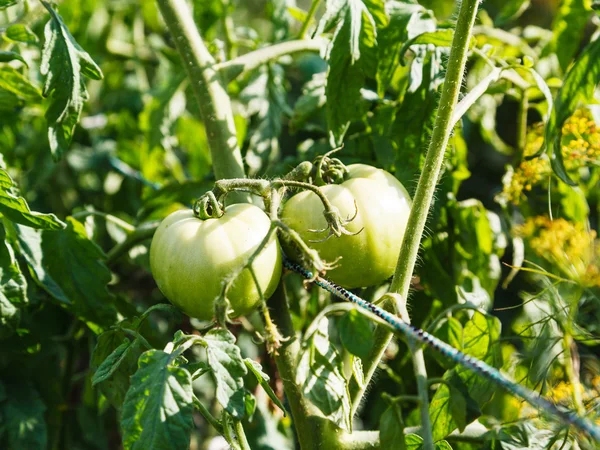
191 258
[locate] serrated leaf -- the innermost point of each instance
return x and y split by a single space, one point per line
112 362
12 282
17 210
13 81
578 87
415 117
356 333
352 57
23 418
458 400
116 384
406 21
10 317
85 282
438 38
228 370
30 245
266 98
322 380
157 412
20 33
391 429
567 30
63 64
263 380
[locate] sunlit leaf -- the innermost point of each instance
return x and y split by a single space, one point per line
17 210
157 412
228 370
64 63
578 87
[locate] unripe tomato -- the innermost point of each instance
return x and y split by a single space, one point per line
369 257
191 258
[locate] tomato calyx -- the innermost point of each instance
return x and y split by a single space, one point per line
329 170
208 207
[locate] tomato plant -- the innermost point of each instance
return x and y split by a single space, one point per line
446 153
191 258
376 206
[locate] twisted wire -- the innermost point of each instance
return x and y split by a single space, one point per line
479 367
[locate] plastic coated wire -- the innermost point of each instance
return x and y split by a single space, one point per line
483 369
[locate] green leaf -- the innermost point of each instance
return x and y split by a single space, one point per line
356 333
17 210
157 412
157 121
228 370
321 376
63 64
310 102
111 364
12 282
414 442
113 377
7 3
23 420
13 81
567 30
10 317
512 10
20 33
84 284
415 117
263 380
30 245
451 332
406 22
391 429
457 402
438 38
11 56
352 57
578 88
266 98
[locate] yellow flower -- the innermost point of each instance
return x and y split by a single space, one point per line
580 147
568 246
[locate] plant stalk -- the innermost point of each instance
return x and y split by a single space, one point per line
233 68
425 192
311 13
209 90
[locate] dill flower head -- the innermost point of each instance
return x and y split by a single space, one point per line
567 246
580 147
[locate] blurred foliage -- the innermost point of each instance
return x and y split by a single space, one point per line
100 135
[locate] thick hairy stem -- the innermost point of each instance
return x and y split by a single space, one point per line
209 91
312 429
426 189
243 64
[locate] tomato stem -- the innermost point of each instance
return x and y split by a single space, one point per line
209 90
424 196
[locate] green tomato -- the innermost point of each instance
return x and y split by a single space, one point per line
383 204
191 258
